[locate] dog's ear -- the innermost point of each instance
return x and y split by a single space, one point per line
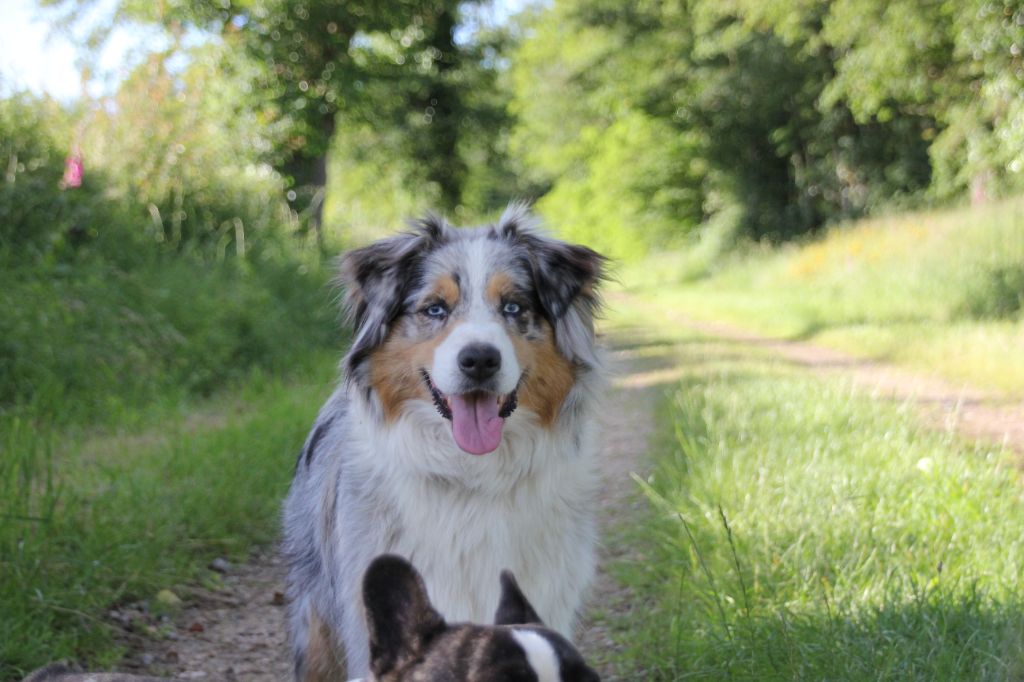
399 616
376 280
514 608
566 278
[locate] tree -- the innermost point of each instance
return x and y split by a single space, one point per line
313 64
730 96
958 62
594 86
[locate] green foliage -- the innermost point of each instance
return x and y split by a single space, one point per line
182 151
997 292
960 62
168 271
391 73
636 122
38 223
635 187
799 114
587 81
937 291
399 151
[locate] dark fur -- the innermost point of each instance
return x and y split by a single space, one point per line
409 640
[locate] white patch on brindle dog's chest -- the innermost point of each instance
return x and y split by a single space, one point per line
510 507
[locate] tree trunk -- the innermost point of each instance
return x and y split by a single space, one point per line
443 100
308 170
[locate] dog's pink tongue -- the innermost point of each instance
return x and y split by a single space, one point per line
475 422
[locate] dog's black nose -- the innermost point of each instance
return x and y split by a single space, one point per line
479 361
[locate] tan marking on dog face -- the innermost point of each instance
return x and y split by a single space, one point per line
323 660
499 286
549 375
446 289
395 366
395 370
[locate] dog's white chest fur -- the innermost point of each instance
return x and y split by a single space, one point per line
462 519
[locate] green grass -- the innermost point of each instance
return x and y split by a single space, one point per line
940 292
91 518
801 531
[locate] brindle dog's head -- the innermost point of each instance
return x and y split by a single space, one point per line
409 640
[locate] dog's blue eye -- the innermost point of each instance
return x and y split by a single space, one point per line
437 311
511 308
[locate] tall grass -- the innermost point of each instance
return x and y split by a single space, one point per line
110 300
800 531
85 343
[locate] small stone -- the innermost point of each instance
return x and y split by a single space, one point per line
147 659
221 565
168 598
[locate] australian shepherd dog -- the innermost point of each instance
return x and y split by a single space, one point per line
462 437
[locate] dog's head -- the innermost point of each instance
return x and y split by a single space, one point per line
409 640
479 321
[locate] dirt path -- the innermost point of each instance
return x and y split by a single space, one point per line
237 632
943 405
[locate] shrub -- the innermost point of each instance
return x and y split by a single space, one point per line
109 301
996 292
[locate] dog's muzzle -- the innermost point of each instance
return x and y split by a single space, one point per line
477 416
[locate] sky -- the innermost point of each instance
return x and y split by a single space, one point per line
28 59
35 57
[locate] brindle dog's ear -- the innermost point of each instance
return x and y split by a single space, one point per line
399 616
566 277
514 608
377 279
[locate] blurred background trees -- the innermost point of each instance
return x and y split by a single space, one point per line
782 115
633 123
391 70
258 135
